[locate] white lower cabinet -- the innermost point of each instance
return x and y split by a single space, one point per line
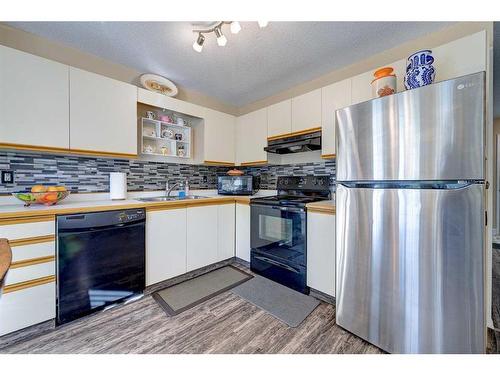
23 308
226 228
321 252
202 236
165 244
243 231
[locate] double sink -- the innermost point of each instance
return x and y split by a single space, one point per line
166 199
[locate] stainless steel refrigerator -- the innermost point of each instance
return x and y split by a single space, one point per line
411 219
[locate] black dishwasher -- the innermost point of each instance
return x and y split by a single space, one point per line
100 261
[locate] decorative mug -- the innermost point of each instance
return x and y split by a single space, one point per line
167 133
180 121
419 69
384 83
151 115
166 118
181 152
178 137
148 149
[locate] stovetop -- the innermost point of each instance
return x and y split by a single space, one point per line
298 191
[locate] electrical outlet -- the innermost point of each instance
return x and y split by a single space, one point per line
7 177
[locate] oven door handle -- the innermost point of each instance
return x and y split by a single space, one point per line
276 263
290 209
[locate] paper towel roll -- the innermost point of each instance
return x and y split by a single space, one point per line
117 185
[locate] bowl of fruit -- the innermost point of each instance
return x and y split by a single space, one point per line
47 195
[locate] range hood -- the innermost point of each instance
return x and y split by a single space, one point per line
295 143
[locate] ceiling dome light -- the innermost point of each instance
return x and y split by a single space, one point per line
221 38
262 24
198 43
235 27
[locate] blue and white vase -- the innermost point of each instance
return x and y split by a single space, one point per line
419 70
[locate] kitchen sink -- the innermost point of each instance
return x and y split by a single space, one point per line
168 199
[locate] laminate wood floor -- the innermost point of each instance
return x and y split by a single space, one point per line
223 324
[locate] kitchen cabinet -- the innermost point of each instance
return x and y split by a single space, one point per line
333 97
34 98
279 118
202 236
165 244
103 114
226 231
219 135
321 252
306 111
243 231
29 293
251 138
162 101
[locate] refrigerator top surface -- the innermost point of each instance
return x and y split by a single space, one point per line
431 133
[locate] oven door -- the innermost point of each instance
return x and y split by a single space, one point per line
279 232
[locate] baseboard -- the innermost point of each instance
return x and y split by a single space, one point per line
27 333
322 296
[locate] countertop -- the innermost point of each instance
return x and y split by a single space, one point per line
327 207
5 258
17 210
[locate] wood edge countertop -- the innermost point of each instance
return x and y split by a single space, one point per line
13 212
323 207
5 258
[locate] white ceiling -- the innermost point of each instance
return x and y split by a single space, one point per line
255 63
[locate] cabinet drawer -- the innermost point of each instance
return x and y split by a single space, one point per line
32 272
26 228
27 307
33 251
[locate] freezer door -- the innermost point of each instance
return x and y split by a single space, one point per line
430 133
410 268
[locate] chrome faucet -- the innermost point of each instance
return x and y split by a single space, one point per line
169 189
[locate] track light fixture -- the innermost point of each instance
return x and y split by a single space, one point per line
221 38
216 28
198 43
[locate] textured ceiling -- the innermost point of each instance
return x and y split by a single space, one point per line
255 63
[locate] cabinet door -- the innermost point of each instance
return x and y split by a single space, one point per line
279 118
202 234
219 134
26 307
226 229
34 99
165 245
306 111
321 252
251 137
333 97
103 114
243 231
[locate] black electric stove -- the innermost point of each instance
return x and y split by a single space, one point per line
279 229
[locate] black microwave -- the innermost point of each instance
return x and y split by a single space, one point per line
237 185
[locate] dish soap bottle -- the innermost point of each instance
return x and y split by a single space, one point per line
186 187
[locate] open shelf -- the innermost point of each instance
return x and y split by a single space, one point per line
159 139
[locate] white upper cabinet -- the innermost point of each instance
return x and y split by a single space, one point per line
103 114
335 96
460 57
251 137
162 101
306 111
34 99
279 118
219 135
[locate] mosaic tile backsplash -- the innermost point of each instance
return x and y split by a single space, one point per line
85 174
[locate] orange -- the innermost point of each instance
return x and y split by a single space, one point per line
38 189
